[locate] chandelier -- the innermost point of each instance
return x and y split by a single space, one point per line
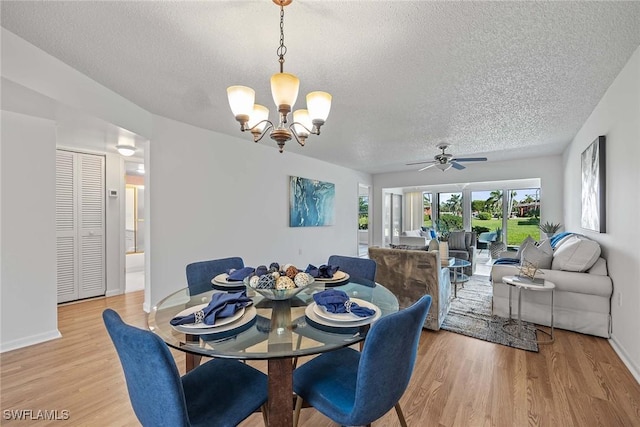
284 89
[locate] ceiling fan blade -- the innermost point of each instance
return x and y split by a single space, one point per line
426 167
420 163
457 165
470 159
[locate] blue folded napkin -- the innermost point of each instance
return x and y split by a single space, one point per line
239 275
337 301
221 305
323 272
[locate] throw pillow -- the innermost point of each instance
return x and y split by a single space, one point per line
576 254
541 256
457 240
408 247
412 233
525 242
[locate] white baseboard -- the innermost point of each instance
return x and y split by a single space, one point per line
113 292
27 341
624 356
146 307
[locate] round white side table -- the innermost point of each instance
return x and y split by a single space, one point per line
521 283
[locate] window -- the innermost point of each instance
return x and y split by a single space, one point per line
363 213
523 206
427 208
524 215
450 211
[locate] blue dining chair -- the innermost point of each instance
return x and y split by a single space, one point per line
356 388
220 392
199 274
362 268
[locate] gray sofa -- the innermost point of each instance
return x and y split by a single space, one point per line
410 274
581 298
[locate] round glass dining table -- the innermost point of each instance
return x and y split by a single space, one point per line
276 331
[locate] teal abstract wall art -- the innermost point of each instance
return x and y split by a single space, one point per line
311 202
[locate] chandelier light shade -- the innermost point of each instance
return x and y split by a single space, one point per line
319 105
284 90
241 99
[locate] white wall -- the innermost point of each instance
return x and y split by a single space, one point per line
27 65
617 116
27 229
548 169
208 203
215 196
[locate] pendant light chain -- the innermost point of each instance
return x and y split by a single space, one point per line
282 49
284 89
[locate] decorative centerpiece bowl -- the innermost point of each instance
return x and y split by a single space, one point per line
278 294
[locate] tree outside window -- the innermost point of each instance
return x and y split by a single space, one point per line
363 213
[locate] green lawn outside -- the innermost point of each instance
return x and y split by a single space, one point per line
517 228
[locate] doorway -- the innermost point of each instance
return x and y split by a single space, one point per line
363 220
135 214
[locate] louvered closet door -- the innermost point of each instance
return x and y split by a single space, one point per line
66 226
91 226
80 212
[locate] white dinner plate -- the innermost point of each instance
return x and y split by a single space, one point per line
310 313
219 322
223 279
344 317
338 276
249 314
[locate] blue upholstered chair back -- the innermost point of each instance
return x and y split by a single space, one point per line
387 360
199 274
153 381
356 267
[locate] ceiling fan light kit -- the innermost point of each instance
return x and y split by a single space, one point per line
284 90
444 161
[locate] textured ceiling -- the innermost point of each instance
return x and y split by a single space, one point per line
501 79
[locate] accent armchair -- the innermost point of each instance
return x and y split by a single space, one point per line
411 274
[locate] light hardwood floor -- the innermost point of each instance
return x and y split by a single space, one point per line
458 381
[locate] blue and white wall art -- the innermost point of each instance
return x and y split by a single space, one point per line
311 202
593 186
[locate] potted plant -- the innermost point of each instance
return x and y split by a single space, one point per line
550 228
443 230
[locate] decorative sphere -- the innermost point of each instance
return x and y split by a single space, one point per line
266 281
291 272
301 279
253 281
285 282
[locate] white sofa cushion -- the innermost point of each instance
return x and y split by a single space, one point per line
412 233
541 256
576 254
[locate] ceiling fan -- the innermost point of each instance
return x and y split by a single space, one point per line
444 161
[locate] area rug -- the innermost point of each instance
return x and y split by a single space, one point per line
470 315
